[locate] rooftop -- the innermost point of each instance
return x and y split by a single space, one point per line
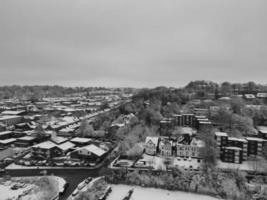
237 139
154 140
81 140
5 132
221 134
27 138
262 129
45 145
233 148
66 146
7 141
95 149
12 112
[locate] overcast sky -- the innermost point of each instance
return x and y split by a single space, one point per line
132 43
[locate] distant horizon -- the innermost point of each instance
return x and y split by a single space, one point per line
110 87
140 43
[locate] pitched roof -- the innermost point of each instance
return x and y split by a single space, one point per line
154 140
66 146
94 149
262 129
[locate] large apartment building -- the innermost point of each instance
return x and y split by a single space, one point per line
198 122
237 150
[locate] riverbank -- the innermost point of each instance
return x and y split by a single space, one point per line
231 185
26 188
140 193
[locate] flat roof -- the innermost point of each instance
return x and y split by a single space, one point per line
80 140
220 134
237 139
233 148
255 139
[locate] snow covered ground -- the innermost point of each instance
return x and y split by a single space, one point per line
246 165
7 193
29 189
119 191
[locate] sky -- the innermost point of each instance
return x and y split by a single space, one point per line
136 43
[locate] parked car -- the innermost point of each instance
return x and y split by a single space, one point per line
75 192
88 180
59 164
81 185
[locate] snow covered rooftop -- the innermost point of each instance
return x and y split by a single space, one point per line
262 129
66 146
58 140
6 141
237 139
255 139
221 134
154 140
80 140
45 145
12 112
5 132
95 150
27 138
5 117
233 148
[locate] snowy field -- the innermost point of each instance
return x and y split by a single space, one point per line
246 165
119 191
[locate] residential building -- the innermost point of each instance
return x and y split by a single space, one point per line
26 141
7 142
6 135
90 152
165 147
151 145
46 150
79 141
10 119
240 143
232 155
191 150
255 146
222 139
